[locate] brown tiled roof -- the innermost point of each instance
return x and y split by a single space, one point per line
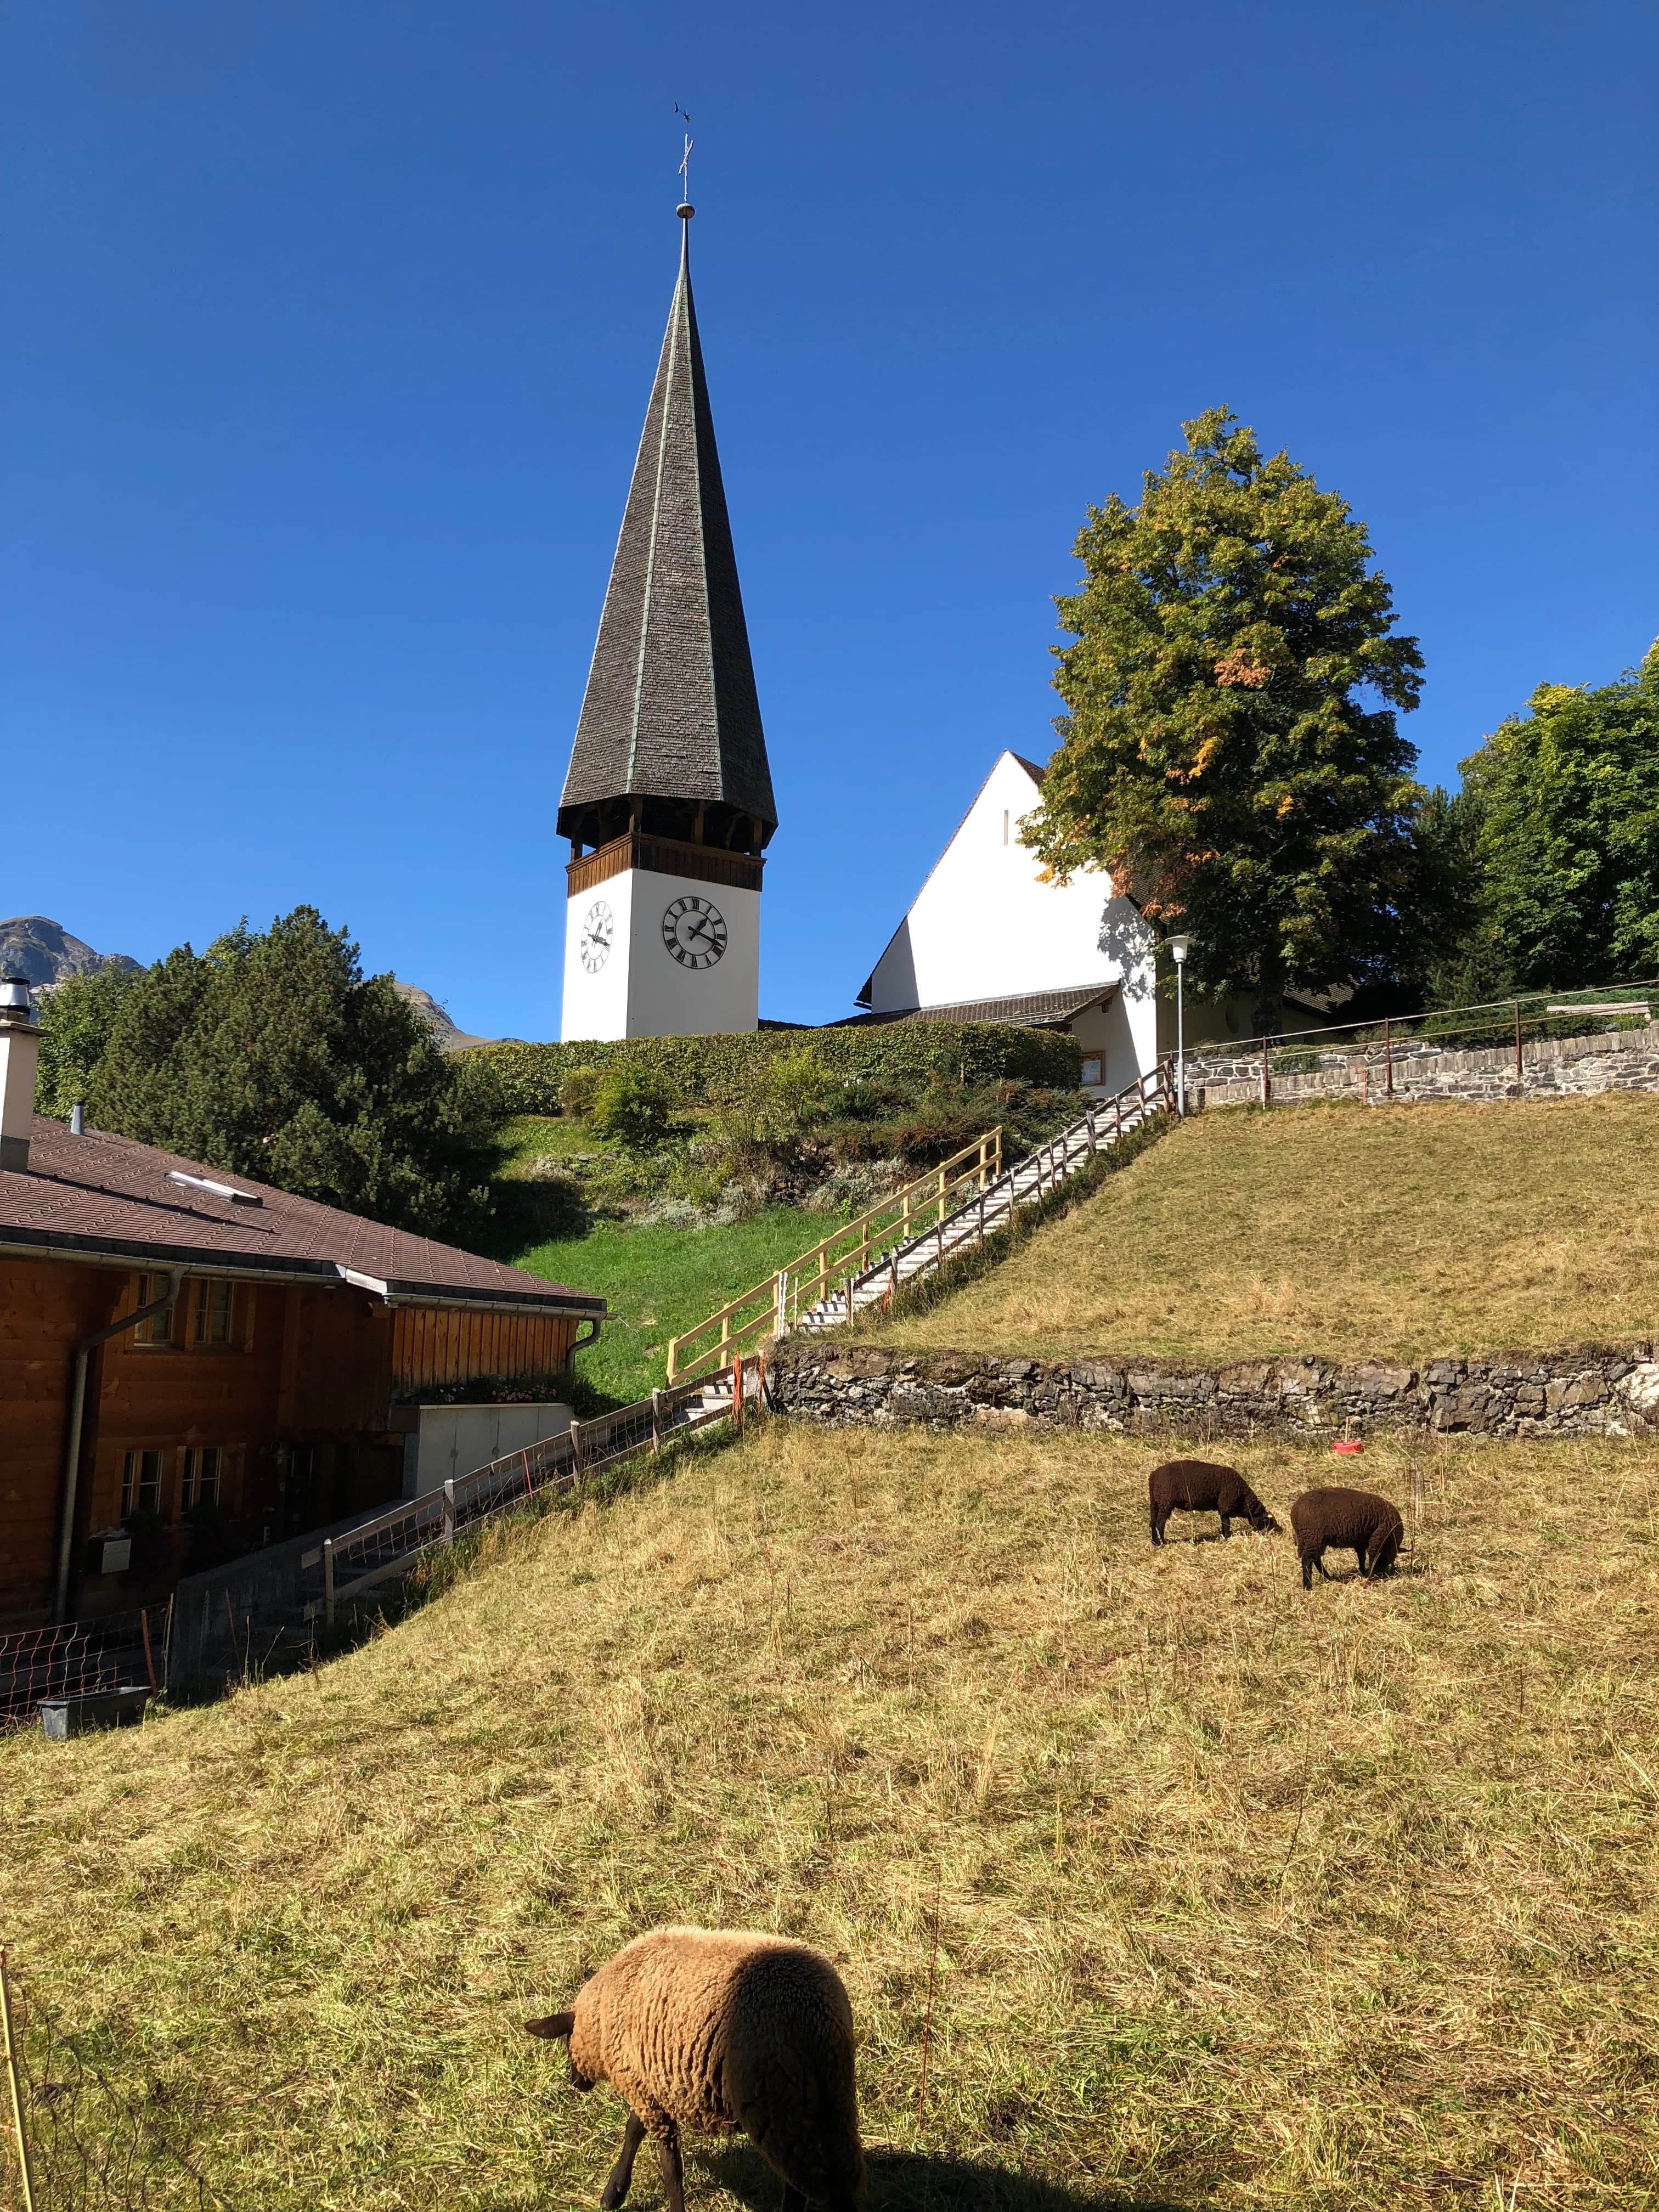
98 1197
1031 1010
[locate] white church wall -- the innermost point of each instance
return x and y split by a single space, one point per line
642 989
984 927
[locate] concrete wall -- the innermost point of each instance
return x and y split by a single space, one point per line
457 1440
641 990
1597 1391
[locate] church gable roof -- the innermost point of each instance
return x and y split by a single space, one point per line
670 709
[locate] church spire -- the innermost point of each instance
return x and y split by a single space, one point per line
669 738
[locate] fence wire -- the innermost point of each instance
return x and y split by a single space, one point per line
70 2141
77 1659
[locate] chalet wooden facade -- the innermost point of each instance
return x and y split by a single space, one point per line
267 1391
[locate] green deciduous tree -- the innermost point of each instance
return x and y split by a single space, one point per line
1567 834
76 1016
1230 751
273 1056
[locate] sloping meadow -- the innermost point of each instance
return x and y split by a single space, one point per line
1225 1895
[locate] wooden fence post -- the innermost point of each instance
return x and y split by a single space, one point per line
448 1535
1517 1039
1267 1082
1388 1057
656 1420
328 1580
14 2084
737 1390
576 1450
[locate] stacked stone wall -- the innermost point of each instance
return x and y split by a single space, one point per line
1551 1067
1594 1391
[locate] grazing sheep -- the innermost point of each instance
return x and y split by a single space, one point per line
718 2031
1200 1485
1353 1520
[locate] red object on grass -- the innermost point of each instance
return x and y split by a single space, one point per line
1348 1444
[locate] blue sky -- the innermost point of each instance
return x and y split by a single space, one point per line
325 335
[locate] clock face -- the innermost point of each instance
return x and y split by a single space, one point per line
599 928
695 931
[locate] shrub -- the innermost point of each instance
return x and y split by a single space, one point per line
635 1105
576 1091
707 1068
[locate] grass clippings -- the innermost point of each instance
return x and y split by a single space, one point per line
1342 1232
1242 1897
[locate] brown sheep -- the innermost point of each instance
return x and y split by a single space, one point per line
1351 1520
1201 1485
719 2031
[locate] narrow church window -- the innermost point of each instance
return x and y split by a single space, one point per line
1005 825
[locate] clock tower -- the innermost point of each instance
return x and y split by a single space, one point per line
668 802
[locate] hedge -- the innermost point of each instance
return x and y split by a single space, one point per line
718 1066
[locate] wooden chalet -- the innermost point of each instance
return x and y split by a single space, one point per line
193 1365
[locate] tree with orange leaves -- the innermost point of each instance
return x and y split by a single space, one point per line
1230 751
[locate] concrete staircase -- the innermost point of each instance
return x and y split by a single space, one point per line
1100 1130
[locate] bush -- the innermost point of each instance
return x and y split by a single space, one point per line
575 1092
272 1055
635 1105
708 1068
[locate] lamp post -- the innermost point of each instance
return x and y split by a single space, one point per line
1178 954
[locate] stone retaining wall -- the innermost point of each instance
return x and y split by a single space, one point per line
1551 1067
1559 1393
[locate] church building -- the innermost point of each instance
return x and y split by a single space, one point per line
986 941
668 802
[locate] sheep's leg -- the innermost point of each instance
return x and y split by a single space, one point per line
673 2174
1309 1563
1226 1526
1158 1528
622 2174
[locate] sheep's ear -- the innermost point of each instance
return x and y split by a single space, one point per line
556 2024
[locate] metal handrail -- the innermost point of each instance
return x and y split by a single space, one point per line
388 1543
1147 1095
865 1233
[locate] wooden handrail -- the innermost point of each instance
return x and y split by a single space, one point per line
984 1156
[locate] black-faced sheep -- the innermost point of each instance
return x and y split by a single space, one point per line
720 2031
1351 1520
1201 1485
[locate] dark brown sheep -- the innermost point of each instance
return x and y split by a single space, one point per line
1356 1521
1201 1485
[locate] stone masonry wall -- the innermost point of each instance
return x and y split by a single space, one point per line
1551 1067
1559 1393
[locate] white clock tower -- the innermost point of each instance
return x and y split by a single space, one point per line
668 802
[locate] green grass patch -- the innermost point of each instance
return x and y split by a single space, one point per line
660 1281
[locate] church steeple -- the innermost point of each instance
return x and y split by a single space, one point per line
669 742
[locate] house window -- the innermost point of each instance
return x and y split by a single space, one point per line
158 1329
1005 825
213 1312
203 1464
141 1483
1091 1069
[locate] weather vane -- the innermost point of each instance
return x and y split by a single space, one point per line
685 158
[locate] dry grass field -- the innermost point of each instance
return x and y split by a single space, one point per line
1243 1897
1343 1230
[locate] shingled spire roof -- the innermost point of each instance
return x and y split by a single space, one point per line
671 712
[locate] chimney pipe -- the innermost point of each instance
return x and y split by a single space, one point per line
20 1055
